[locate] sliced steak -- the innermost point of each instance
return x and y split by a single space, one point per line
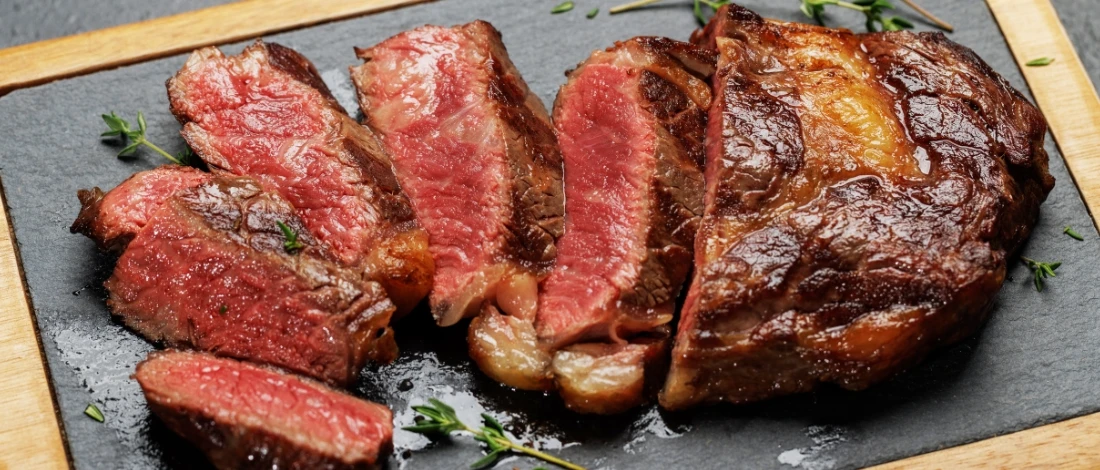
266 114
244 416
112 219
630 122
474 149
863 195
210 271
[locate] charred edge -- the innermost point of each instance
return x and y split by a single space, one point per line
298 67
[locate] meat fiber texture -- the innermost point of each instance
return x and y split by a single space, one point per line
244 416
113 219
267 114
630 122
474 149
209 270
863 195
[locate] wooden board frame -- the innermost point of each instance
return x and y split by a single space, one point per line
30 433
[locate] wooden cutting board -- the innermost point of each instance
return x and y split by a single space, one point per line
30 435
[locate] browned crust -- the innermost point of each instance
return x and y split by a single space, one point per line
878 270
232 446
400 259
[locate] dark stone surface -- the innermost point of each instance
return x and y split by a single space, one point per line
1034 363
28 21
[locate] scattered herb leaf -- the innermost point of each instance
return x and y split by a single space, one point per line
1073 233
592 13
224 308
440 419
1040 62
291 244
93 412
1040 270
118 127
562 7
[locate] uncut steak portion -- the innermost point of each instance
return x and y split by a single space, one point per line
113 218
266 114
630 122
863 195
210 271
244 416
474 149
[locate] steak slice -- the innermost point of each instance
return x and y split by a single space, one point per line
112 219
210 271
630 122
474 149
245 416
863 195
266 114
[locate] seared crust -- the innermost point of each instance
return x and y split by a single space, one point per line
210 272
864 193
112 219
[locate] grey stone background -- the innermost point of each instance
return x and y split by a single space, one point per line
1034 363
35 20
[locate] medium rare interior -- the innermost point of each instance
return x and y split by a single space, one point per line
209 270
630 123
863 195
474 149
267 114
113 218
245 416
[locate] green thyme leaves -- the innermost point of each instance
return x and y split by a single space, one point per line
562 7
1040 62
135 138
93 412
1040 271
1073 234
438 418
291 244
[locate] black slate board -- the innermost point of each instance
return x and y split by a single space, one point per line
1032 364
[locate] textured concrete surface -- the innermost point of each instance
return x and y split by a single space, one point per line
1034 362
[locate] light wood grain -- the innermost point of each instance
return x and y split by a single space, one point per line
1062 89
40 62
1066 445
1068 98
29 433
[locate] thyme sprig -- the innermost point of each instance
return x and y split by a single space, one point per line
872 9
1040 270
438 418
118 127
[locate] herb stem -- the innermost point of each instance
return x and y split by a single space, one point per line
631 6
161 151
543 456
929 16
527 450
